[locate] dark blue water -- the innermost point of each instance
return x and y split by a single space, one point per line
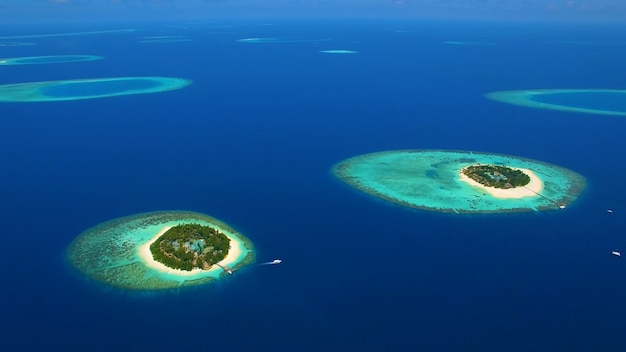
251 142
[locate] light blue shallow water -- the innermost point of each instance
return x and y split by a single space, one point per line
97 88
430 179
111 253
94 88
610 101
38 60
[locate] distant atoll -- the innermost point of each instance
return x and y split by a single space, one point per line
339 51
589 101
160 250
70 34
271 40
87 88
15 44
468 43
163 39
54 59
461 182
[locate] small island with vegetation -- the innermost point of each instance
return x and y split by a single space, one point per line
435 180
190 246
496 176
117 252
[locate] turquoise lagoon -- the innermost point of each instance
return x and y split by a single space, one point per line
88 88
429 180
109 252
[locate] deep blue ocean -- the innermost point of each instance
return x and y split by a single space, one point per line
252 141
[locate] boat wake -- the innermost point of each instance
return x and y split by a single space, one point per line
273 262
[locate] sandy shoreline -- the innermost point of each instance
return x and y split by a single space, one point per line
530 190
144 253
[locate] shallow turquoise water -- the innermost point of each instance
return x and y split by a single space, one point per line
51 59
94 88
430 180
268 40
614 101
165 40
88 88
109 252
589 101
48 60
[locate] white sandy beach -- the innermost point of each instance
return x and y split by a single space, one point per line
530 190
144 252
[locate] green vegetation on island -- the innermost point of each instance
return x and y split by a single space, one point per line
496 176
190 246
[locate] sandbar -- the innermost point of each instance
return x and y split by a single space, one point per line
234 251
532 189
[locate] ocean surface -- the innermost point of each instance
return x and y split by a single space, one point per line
251 142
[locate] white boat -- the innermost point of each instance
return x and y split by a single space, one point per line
616 253
609 211
276 261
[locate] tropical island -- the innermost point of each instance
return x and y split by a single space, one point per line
496 176
461 181
190 249
189 246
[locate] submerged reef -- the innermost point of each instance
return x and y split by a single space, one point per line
280 40
87 88
590 101
71 34
54 59
117 252
10 44
162 39
434 180
339 51
468 43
